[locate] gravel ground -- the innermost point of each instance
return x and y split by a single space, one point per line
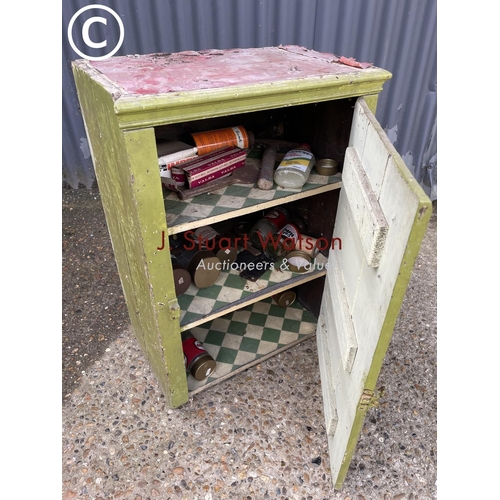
256 436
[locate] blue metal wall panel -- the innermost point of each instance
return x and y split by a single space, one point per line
397 35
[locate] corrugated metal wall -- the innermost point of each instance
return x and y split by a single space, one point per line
397 35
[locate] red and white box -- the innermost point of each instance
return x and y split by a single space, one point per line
214 165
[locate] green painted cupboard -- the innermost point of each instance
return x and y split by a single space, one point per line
373 207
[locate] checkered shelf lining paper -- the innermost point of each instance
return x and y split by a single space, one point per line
235 200
230 290
249 334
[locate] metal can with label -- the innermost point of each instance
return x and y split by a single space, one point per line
213 140
271 223
282 243
197 360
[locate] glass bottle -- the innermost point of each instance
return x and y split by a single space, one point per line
294 169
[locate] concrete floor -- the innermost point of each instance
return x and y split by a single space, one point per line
259 434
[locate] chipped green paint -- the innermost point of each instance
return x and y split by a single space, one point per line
128 177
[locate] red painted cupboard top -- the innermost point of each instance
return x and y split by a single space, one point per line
186 71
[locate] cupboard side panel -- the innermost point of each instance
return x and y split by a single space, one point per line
147 195
114 177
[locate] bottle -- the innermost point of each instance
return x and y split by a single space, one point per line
294 169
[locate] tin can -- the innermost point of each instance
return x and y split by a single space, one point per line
327 166
307 244
298 261
209 239
203 266
197 360
271 223
182 278
179 176
213 140
285 298
284 242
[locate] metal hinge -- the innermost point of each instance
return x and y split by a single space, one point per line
365 401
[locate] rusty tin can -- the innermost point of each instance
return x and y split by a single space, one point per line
285 298
307 244
327 166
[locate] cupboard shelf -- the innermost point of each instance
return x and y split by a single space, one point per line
237 200
231 292
250 335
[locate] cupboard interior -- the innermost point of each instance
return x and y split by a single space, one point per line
325 126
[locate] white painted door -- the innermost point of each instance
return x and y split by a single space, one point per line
381 221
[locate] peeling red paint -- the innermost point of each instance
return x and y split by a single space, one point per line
350 61
191 70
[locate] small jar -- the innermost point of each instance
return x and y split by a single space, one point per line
271 223
197 360
282 243
294 169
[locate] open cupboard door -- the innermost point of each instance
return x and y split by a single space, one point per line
381 220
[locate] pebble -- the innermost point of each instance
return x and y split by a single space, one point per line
178 470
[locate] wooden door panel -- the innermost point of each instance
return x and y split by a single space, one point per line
381 221
370 147
368 215
335 294
351 260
